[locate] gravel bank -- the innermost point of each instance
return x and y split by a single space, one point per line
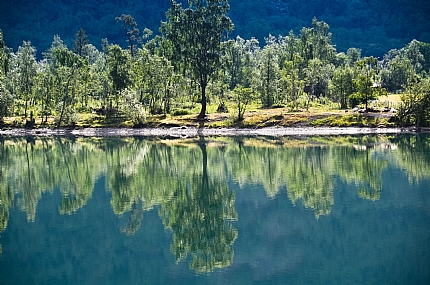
182 132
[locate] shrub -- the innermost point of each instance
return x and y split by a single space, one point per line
180 112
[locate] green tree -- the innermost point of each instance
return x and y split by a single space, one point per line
315 42
367 84
68 69
119 70
292 86
317 77
50 78
80 41
24 69
196 34
242 97
153 76
130 28
4 57
240 62
425 51
269 72
413 53
416 102
98 74
400 72
342 85
6 99
354 55
45 89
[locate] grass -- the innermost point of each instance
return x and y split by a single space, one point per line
355 120
256 117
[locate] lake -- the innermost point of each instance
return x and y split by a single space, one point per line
344 209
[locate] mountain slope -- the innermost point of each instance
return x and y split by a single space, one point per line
375 26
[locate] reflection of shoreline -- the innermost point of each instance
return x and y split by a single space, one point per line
303 165
194 132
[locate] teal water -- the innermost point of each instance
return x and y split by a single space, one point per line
312 210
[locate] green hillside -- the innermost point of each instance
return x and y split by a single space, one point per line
374 26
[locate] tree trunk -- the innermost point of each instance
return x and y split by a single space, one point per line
202 114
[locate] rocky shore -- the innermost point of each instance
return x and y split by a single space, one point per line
182 132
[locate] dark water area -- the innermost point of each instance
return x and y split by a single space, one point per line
215 210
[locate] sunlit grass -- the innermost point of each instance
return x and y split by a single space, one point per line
355 120
316 115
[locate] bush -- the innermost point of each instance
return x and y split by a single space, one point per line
180 112
133 109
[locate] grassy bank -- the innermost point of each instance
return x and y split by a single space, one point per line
318 115
255 118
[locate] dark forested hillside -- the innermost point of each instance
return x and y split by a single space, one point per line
375 26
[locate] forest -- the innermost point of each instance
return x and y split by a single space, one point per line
195 59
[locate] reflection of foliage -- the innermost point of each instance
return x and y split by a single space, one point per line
134 220
361 167
201 217
6 193
413 156
143 173
124 166
35 165
78 186
309 178
253 163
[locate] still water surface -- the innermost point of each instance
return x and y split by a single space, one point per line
314 210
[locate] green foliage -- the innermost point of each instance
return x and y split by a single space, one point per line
193 62
119 70
6 101
353 55
198 51
416 101
4 57
315 42
269 72
400 72
180 112
68 71
243 97
133 109
24 73
80 41
130 28
291 85
367 84
342 85
154 76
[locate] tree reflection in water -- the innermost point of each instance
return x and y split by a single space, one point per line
194 200
200 216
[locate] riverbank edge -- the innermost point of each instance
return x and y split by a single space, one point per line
184 132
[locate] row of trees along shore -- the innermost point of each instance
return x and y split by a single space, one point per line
192 61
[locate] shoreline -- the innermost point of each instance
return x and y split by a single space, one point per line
184 132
